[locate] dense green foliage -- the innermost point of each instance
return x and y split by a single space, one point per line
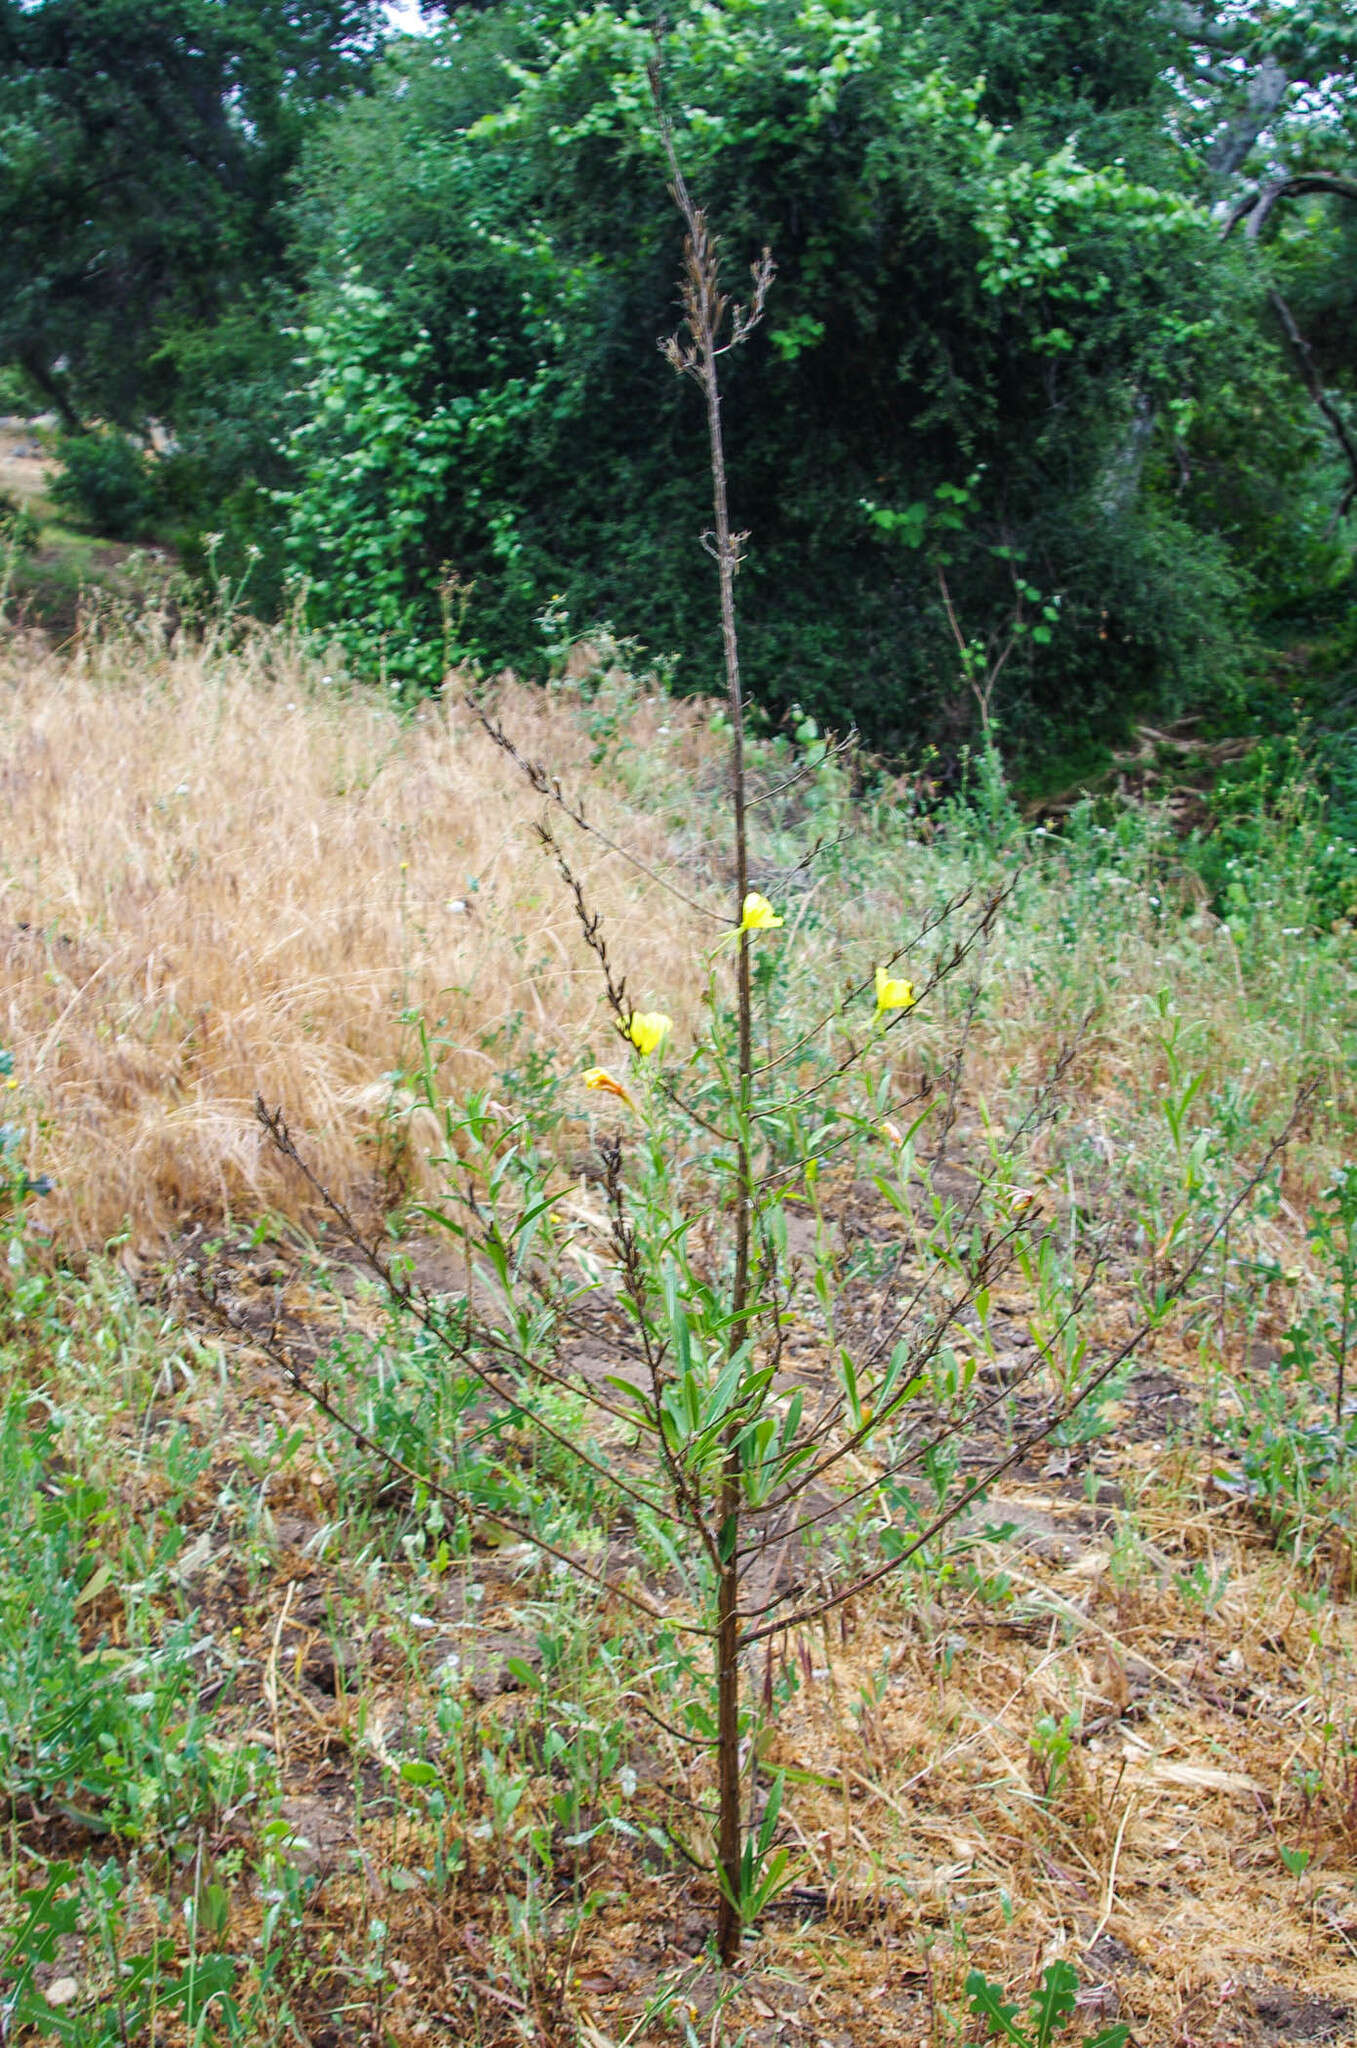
1027 360
144 148
1016 355
146 258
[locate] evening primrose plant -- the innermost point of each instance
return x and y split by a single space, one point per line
785 1413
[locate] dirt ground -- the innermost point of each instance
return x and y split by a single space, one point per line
25 464
1126 1591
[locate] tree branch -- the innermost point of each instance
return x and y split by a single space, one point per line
1266 90
1338 426
1256 206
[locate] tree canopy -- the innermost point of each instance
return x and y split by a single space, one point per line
1060 357
1007 343
145 152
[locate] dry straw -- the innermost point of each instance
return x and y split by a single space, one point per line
221 876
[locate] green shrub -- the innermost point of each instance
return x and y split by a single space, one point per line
107 483
1284 836
113 1731
963 312
20 528
16 1184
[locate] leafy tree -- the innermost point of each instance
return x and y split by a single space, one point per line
985 346
145 149
1282 164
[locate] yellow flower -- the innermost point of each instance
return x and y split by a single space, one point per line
892 995
759 915
600 1078
11 1082
647 1030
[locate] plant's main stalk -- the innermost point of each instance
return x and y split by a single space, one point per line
728 1604
705 310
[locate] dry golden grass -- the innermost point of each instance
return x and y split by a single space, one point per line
22 474
221 875
1164 1830
221 878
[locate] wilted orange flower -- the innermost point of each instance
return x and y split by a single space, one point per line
601 1079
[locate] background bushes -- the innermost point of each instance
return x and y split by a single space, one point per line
404 363
1037 357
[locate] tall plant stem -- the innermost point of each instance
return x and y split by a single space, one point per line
728 1597
727 1616
705 308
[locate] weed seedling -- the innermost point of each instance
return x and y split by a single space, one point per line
1048 2015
